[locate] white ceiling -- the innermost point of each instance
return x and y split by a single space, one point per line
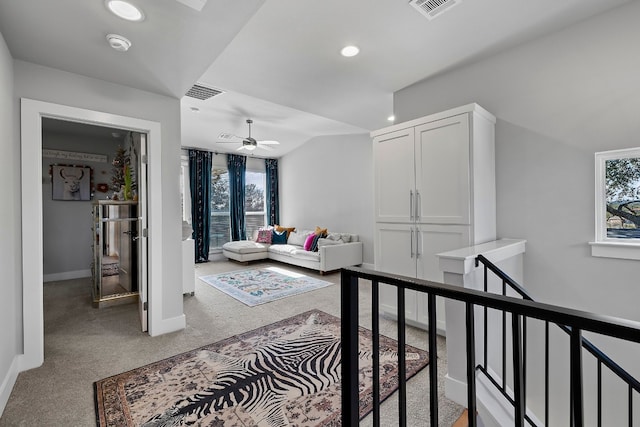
278 60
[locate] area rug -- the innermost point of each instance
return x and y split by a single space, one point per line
259 286
110 269
286 373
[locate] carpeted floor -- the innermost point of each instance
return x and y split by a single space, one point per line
84 345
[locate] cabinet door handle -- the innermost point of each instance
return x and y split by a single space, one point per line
411 205
411 242
418 243
418 207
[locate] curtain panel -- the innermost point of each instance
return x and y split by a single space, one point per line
200 183
273 204
237 166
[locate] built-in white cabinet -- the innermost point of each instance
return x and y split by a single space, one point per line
434 192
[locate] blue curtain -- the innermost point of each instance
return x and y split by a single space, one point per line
200 183
237 166
273 204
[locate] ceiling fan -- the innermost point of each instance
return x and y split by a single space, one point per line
248 143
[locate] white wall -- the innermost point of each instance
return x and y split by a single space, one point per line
558 100
10 243
328 182
67 235
50 85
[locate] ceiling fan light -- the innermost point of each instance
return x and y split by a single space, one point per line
250 147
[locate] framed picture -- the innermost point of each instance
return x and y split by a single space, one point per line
71 182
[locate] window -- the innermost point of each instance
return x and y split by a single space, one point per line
185 189
220 226
617 204
254 200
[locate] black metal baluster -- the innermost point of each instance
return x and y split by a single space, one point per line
524 363
349 335
504 341
577 408
546 374
630 406
518 376
599 393
375 331
402 369
471 365
486 339
433 361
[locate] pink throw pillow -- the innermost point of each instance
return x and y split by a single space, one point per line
308 242
264 236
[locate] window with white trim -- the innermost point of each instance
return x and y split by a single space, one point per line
617 204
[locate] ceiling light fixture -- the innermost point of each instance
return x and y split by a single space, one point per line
125 10
350 51
119 43
250 147
195 109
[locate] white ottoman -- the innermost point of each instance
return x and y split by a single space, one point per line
245 250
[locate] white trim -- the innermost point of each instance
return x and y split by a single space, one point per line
165 326
66 275
32 112
8 382
609 249
604 246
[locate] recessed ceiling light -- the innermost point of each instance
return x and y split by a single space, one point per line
391 118
119 43
195 109
350 51
125 10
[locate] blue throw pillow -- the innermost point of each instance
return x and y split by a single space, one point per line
279 238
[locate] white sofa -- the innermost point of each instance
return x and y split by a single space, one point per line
336 251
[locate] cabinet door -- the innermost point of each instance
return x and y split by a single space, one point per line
395 253
394 176
432 240
442 171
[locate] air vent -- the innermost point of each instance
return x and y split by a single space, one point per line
201 92
433 8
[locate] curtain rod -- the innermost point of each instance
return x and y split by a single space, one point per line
216 152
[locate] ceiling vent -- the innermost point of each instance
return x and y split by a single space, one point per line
198 91
433 8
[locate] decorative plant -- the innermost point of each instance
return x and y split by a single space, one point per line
128 193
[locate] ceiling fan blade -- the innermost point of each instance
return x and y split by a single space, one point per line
265 147
228 142
268 142
243 147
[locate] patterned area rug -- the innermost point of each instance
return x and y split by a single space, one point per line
286 373
259 286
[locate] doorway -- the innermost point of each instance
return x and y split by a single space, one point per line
32 113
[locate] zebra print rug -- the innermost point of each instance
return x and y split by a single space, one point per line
286 373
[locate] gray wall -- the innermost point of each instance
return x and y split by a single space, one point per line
328 182
558 100
51 85
67 235
10 244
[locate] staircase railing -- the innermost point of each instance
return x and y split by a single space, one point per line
632 384
576 322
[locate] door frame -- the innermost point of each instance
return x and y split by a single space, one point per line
32 112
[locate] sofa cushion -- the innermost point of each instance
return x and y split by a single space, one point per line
321 230
307 255
245 247
264 236
328 242
308 242
297 238
285 249
289 230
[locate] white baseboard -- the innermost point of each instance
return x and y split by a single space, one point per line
166 326
455 390
66 275
8 382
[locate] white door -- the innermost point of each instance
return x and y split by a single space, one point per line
394 176
395 254
442 171
143 278
432 240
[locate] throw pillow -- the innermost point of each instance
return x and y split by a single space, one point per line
309 242
321 230
289 230
279 238
328 242
314 242
264 236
